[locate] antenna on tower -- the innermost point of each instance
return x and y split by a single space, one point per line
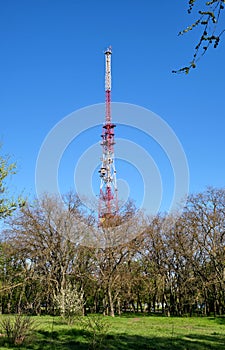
108 199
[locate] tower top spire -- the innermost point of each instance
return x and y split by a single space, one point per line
108 54
108 50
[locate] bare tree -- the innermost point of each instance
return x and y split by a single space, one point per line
206 221
44 233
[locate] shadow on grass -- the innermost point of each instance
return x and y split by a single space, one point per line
125 342
219 320
77 339
61 340
140 314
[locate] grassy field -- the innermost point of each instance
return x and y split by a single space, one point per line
131 333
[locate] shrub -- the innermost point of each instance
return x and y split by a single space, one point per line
70 303
17 329
97 327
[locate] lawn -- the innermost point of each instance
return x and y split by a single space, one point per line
126 333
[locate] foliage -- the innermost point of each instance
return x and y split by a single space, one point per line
17 329
208 19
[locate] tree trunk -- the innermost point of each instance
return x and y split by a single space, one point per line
111 305
133 306
118 306
105 307
139 303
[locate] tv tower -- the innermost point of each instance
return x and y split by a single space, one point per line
108 200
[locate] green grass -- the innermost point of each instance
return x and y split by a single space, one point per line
130 333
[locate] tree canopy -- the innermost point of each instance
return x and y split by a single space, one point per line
175 266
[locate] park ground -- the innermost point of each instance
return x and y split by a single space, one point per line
131 332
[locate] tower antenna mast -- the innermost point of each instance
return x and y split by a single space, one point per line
108 199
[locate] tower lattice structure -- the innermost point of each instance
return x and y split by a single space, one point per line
108 200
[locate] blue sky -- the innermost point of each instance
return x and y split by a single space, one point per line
52 64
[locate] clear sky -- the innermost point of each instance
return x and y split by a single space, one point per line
52 64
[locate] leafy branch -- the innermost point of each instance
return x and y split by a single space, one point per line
7 205
208 21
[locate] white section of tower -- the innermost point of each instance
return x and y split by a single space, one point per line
108 54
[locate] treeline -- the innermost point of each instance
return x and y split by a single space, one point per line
170 265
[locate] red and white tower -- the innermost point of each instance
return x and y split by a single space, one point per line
108 200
